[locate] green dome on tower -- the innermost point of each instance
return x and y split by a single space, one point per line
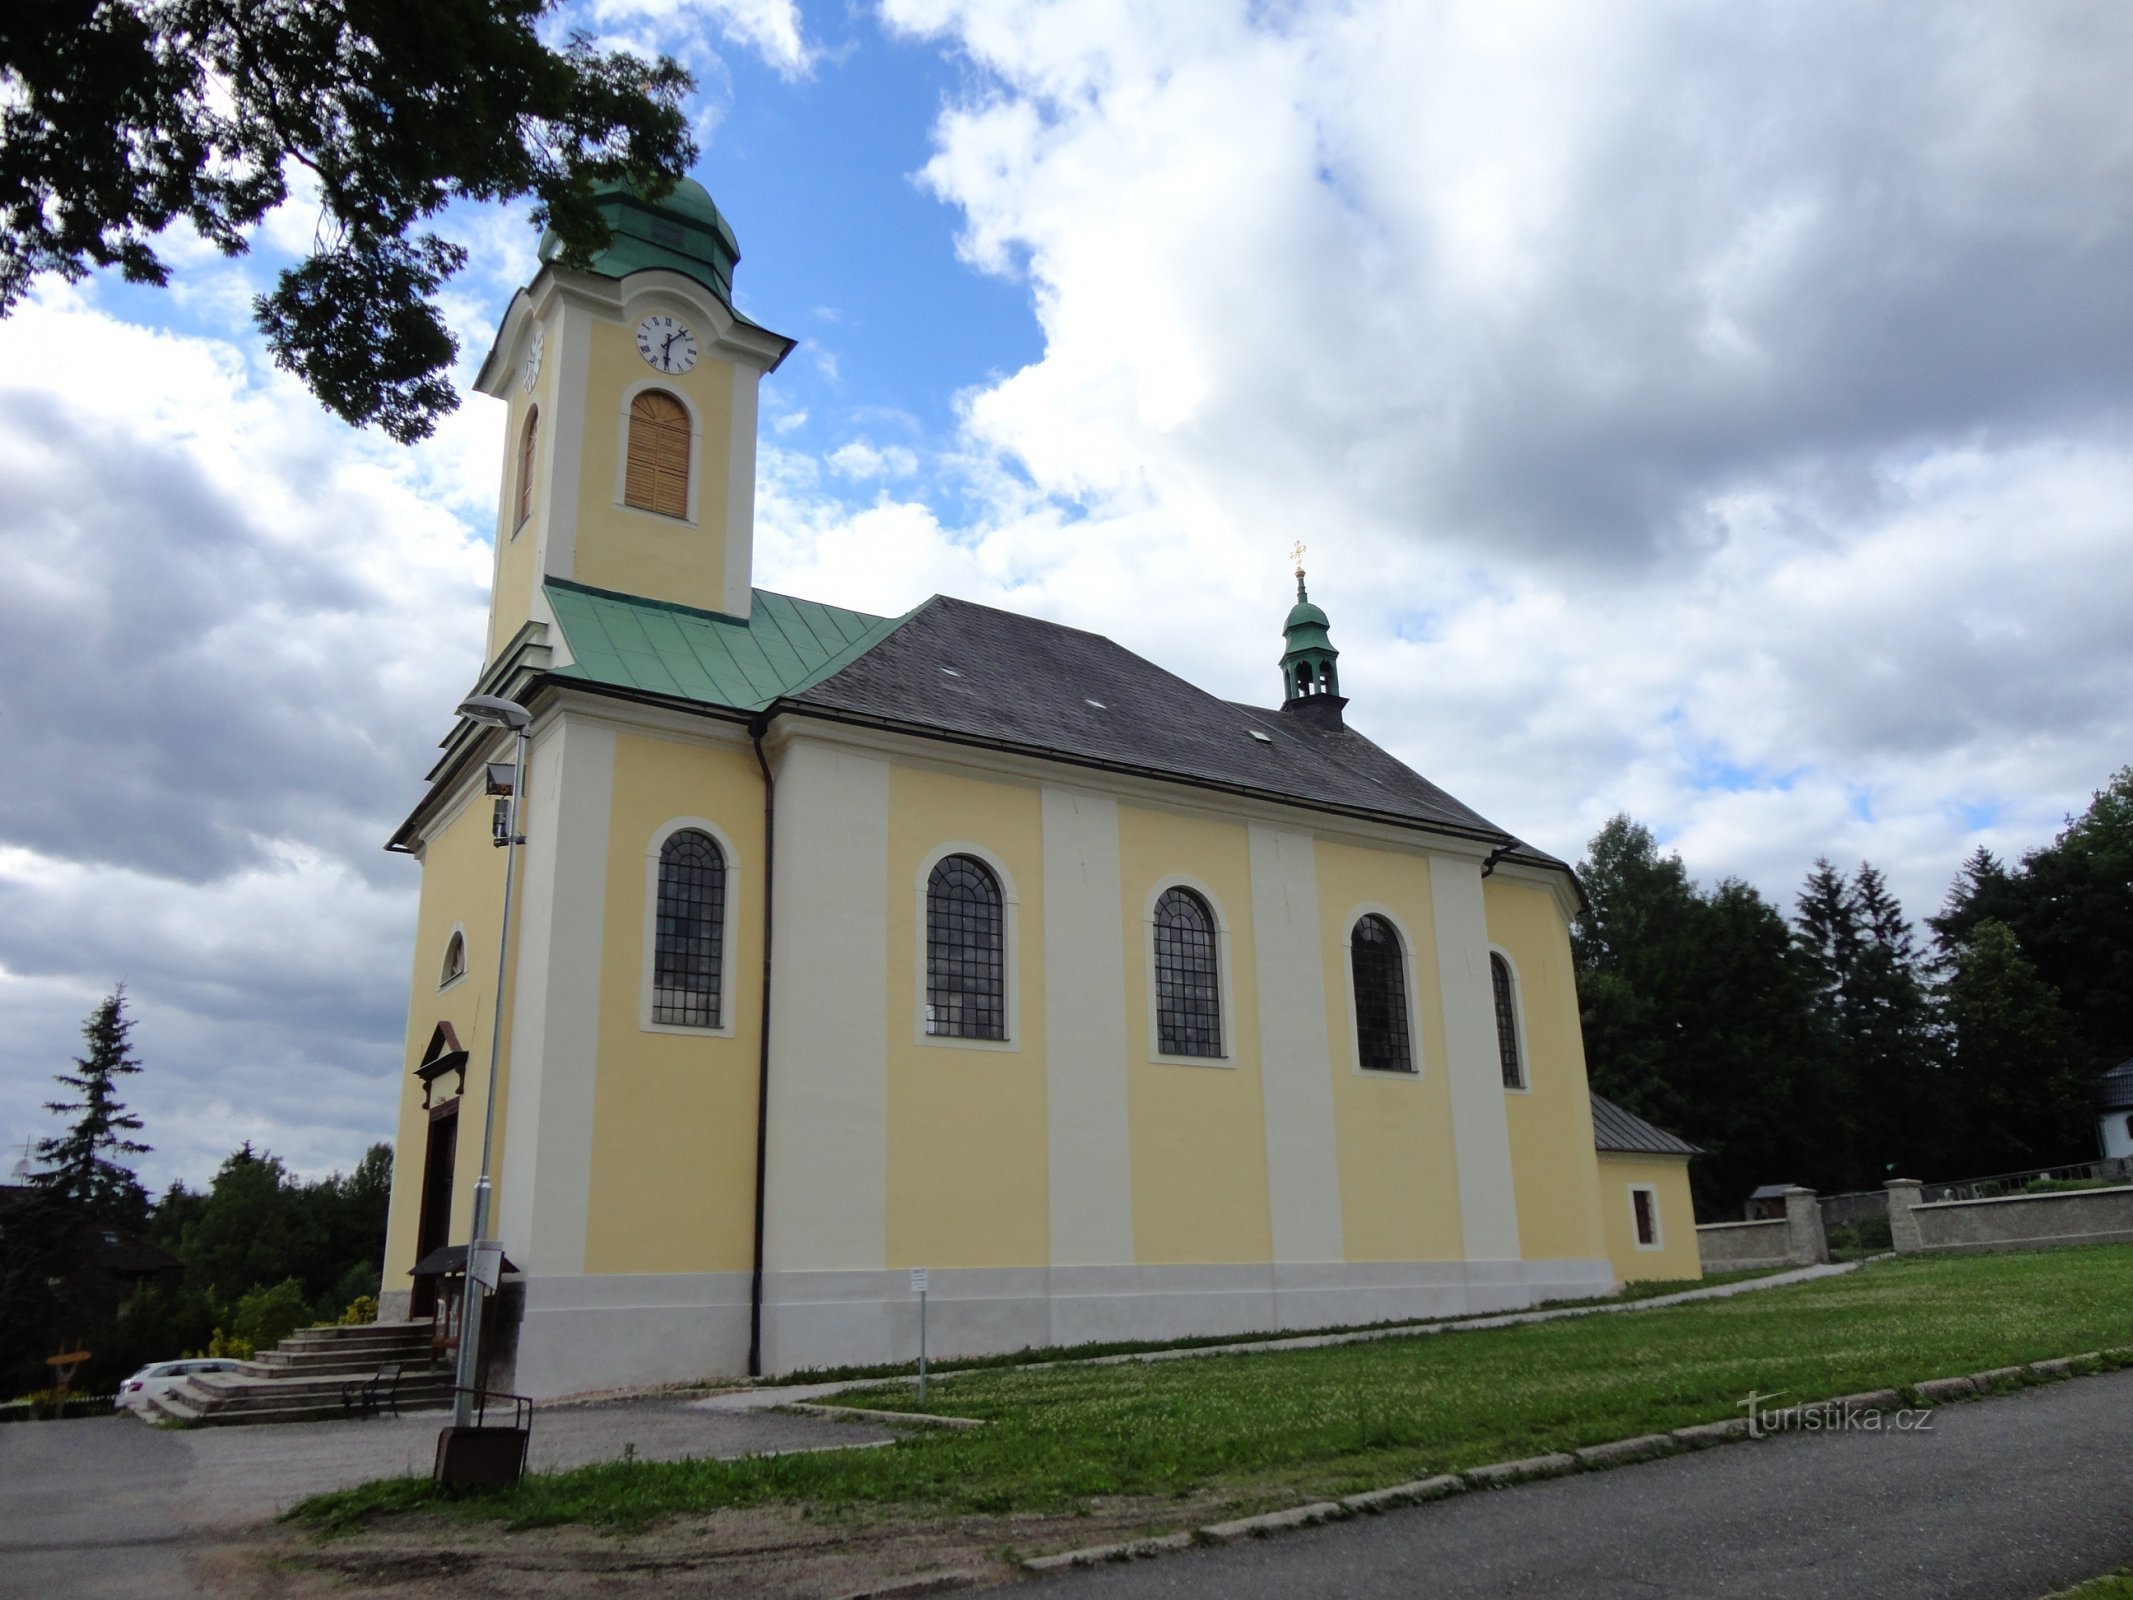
683 232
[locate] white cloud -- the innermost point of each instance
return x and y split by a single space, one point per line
862 458
1721 418
229 634
771 28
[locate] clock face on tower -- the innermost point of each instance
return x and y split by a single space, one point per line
666 343
534 342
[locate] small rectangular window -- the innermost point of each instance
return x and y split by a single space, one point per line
1640 1201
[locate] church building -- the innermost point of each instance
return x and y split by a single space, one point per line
844 945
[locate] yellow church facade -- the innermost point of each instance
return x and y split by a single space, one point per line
846 945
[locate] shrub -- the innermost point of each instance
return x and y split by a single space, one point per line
226 1344
361 1312
267 1316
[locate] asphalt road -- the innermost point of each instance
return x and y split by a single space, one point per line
2003 1499
103 1508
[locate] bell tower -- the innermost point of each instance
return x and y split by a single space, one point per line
1310 674
630 429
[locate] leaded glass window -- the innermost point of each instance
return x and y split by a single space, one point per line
1383 1039
1188 983
688 960
1514 1071
966 951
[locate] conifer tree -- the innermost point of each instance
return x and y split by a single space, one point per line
2021 1083
78 1165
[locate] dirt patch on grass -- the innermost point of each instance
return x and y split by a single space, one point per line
775 1553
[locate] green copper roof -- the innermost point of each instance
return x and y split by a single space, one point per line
786 645
683 233
1306 628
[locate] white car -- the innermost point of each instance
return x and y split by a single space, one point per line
158 1377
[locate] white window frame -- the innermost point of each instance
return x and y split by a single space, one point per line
1224 977
1010 951
648 951
665 384
1518 1024
459 932
1658 1226
1371 908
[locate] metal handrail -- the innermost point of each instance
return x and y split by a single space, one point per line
478 1406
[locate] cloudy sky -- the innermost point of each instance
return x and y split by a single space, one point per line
1717 413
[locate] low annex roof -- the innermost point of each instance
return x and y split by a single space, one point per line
2115 1093
1629 1134
978 674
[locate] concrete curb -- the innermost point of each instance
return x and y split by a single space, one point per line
1096 1554
1645 1447
1274 1521
920 1584
900 1419
1592 1458
1405 1494
1503 1473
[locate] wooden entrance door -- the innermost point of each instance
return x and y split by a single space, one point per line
435 1228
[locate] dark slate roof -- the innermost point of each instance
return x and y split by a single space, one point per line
2115 1093
1619 1130
975 672
954 669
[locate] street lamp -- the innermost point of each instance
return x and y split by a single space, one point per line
484 1255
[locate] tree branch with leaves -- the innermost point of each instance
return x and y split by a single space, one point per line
121 119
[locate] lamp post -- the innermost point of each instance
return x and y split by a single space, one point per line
482 1252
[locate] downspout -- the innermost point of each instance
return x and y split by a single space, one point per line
762 1071
1489 865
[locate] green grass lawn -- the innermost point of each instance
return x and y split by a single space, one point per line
1261 1429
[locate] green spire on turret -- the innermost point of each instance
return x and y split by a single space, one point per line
1309 676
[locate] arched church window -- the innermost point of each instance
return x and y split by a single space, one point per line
1188 982
656 477
526 440
1514 1067
455 959
688 957
966 969
1383 1038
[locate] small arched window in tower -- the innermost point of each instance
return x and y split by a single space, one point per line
656 476
1188 981
455 959
1303 677
966 954
688 956
1514 1068
526 441
1383 1040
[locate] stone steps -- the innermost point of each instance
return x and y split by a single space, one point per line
303 1379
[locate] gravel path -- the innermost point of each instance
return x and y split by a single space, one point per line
100 1508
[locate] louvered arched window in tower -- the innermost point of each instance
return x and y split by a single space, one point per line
966 951
528 437
1383 1039
1514 1066
688 952
1188 977
656 476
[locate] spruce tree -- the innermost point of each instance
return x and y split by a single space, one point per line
78 1168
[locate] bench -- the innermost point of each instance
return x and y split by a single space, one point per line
381 1388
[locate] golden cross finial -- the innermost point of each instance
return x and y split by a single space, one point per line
1297 555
